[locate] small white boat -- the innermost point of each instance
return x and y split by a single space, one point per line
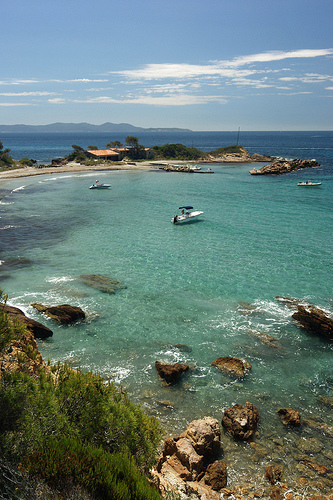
309 184
100 185
186 215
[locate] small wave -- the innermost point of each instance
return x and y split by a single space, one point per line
9 226
61 279
18 189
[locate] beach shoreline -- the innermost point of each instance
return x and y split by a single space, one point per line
72 167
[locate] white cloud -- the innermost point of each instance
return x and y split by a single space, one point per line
220 68
5 104
167 100
57 100
24 94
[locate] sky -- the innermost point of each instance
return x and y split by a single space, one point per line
205 65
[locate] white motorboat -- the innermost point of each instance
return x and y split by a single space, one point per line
100 185
309 184
186 215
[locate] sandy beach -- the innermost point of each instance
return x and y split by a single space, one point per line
74 167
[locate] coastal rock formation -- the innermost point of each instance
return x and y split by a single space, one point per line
103 283
241 421
314 320
284 167
290 417
171 373
243 156
189 465
64 314
22 356
232 366
38 330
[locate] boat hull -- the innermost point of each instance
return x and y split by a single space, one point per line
183 219
100 186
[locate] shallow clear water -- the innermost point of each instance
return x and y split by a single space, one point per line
193 293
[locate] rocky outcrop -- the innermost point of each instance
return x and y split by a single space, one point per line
189 464
241 421
64 314
171 373
233 366
284 167
290 417
103 283
314 320
38 330
22 356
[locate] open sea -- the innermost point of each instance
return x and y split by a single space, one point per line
192 293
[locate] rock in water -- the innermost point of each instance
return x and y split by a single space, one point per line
102 283
314 320
64 314
241 421
290 416
171 373
232 366
38 330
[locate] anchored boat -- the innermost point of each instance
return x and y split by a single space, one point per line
187 214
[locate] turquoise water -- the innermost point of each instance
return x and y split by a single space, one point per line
260 237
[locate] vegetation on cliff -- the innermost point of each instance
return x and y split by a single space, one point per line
68 429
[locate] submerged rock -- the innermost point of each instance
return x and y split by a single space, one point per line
273 473
171 373
241 421
64 314
233 366
103 283
38 330
326 400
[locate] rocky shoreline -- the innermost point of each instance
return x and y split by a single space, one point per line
202 463
278 167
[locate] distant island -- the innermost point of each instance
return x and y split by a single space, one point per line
83 127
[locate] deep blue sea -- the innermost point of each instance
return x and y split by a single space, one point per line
193 293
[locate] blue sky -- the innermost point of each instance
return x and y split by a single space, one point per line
203 65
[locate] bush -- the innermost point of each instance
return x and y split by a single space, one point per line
8 331
178 152
105 475
26 162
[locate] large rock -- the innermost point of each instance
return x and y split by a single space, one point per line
290 417
314 320
64 314
38 330
188 465
171 373
283 167
241 421
216 475
233 366
205 436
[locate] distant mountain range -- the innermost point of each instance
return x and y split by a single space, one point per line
84 127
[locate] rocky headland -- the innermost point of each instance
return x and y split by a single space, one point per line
278 167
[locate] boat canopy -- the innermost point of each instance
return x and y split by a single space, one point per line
186 208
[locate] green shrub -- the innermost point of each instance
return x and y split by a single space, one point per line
26 162
105 475
8 331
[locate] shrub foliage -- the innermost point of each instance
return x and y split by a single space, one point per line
71 427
